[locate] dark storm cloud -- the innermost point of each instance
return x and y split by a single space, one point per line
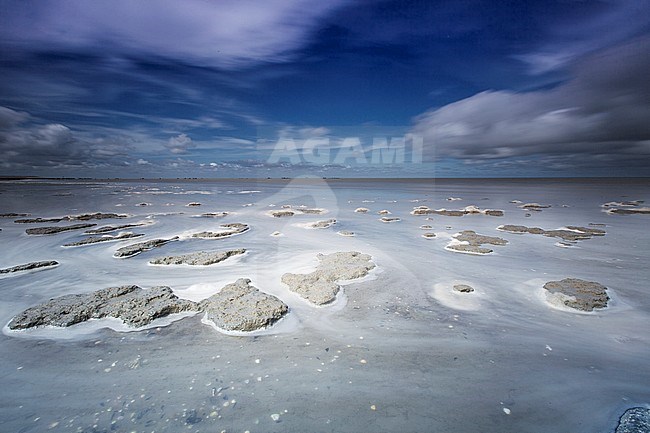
601 113
26 144
10 118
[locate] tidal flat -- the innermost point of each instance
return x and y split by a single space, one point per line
399 347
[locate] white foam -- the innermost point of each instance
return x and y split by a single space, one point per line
89 327
454 242
29 271
286 325
444 293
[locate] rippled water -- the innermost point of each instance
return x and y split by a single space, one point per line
397 351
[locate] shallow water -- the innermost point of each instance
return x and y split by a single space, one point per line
398 350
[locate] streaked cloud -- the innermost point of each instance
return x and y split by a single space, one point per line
199 85
570 37
601 113
227 34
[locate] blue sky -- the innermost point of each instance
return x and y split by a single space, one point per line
339 88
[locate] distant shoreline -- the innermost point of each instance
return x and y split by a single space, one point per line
332 179
312 177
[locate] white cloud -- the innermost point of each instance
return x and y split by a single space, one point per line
37 139
53 135
180 144
228 33
543 62
602 113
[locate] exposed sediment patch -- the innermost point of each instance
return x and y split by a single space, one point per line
569 233
634 420
281 213
626 208
213 215
536 207
133 305
628 203
463 288
108 229
239 306
389 219
30 266
39 220
231 229
200 258
320 286
82 217
468 210
135 249
361 210
14 215
310 211
468 241
107 238
324 224
459 295
577 294
289 211
52 230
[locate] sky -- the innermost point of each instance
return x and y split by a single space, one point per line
339 88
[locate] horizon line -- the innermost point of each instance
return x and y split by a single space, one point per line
134 179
